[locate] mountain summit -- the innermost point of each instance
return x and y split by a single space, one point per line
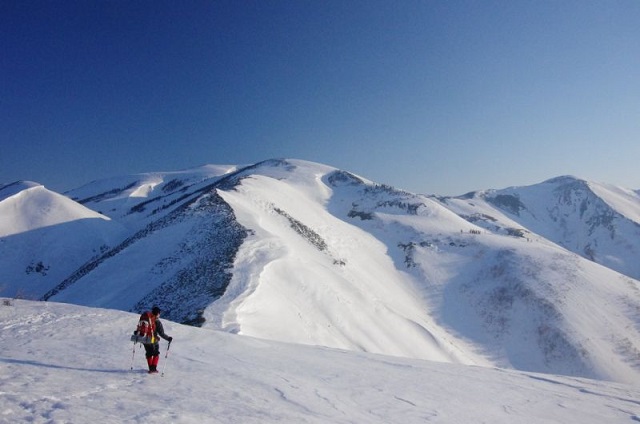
538 278
597 221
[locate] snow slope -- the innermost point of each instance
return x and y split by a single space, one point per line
44 236
600 222
330 282
300 252
52 372
127 198
390 272
28 206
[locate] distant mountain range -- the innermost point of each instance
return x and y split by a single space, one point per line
541 278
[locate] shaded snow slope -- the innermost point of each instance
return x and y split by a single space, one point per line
51 372
180 261
45 236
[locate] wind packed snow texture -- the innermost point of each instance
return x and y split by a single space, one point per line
55 370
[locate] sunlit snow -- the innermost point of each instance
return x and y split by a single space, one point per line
71 364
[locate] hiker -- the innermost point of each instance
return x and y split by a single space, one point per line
151 327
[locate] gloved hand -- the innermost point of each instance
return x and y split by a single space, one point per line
170 339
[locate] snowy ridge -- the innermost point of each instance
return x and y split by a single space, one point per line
260 381
597 221
622 200
305 253
8 190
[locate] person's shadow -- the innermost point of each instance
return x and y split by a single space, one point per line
64 367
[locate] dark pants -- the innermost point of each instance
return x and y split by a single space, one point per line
152 349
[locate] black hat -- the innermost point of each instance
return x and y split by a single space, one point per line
155 310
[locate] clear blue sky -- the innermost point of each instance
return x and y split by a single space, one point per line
436 97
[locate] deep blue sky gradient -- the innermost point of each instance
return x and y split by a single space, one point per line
436 97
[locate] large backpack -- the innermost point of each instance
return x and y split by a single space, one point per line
144 333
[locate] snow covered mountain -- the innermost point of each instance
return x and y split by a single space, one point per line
45 236
301 252
597 221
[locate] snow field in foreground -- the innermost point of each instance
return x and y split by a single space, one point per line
64 363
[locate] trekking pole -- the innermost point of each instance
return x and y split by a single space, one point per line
133 354
166 355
